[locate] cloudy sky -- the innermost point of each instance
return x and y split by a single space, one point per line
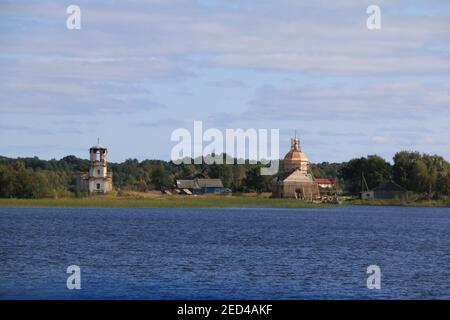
137 70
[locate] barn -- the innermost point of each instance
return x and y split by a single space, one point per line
389 190
385 190
201 186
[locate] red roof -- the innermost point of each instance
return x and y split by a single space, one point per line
324 181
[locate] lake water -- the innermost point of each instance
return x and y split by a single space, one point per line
225 253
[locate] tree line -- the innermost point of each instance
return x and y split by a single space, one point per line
416 172
36 178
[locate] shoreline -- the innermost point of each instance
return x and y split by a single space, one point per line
173 202
201 202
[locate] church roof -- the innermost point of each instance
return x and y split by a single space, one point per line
295 176
298 176
98 146
295 155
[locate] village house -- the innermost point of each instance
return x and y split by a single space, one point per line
199 186
325 183
386 190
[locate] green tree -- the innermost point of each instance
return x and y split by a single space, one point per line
420 173
374 168
443 184
254 181
223 172
161 177
419 179
239 174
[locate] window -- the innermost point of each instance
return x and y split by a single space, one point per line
98 186
98 171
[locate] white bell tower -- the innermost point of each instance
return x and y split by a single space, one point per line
100 180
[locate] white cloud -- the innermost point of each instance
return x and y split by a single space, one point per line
227 83
384 100
379 139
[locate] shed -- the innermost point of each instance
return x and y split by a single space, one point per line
389 190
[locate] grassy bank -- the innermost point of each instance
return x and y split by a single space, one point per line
393 202
163 202
145 200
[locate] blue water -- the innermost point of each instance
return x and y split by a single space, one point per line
225 253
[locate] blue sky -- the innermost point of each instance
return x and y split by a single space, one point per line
137 70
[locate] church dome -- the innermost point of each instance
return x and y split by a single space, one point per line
295 158
295 155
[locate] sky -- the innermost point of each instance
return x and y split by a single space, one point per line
138 70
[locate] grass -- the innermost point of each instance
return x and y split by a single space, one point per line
394 202
157 200
164 202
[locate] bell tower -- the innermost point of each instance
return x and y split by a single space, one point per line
100 180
